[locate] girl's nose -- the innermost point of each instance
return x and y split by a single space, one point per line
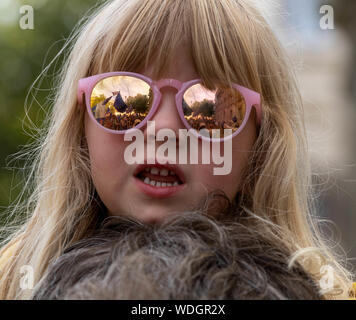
166 115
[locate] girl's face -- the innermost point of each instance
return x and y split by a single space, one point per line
123 193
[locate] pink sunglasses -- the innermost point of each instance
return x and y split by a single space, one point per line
121 101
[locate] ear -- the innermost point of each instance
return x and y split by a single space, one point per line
80 94
258 113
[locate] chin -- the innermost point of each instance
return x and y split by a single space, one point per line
153 216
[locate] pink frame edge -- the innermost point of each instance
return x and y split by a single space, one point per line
86 85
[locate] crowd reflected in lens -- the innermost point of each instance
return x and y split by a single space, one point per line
123 103
223 108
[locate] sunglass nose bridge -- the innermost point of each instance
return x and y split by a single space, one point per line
169 83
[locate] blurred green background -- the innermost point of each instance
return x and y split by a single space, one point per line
326 65
23 55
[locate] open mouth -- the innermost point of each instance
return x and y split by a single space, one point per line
159 176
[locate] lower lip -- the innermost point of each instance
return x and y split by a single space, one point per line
158 192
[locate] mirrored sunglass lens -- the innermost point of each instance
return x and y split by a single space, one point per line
121 102
222 108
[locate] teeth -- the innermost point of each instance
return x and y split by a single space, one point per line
163 172
154 183
154 170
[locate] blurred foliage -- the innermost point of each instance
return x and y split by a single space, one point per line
23 55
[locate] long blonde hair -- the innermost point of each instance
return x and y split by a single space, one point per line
230 42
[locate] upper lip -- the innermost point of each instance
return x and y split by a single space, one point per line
171 167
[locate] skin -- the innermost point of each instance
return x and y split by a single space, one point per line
114 179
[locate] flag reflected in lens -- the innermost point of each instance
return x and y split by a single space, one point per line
121 102
223 108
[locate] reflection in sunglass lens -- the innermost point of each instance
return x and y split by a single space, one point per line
222 108
121 102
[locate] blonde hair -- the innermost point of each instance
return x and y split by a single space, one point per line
229 41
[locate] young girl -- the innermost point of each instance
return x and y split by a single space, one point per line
81 175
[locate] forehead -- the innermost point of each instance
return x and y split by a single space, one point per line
180 66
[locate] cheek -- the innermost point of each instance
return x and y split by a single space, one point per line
241 152
106 156
229 183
